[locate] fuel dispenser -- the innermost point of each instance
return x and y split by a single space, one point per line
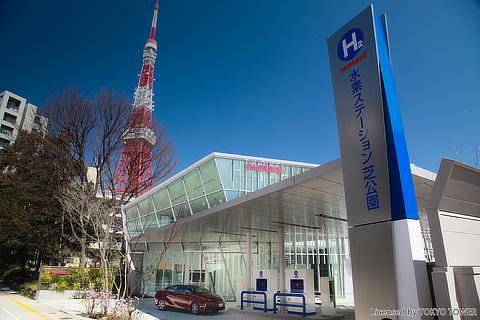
265 280
300 281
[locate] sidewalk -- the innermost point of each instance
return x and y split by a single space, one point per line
75 307
17 307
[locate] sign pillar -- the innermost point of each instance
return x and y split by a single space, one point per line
388 264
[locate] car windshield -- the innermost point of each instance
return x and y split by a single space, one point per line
195 289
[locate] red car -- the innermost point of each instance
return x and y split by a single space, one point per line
189 298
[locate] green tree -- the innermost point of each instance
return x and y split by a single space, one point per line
34 169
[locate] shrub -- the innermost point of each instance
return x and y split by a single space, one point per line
77 286
77 279
47 277
61 285
16 277
29 289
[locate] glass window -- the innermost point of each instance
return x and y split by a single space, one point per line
210 176
285 172
216 198
181 289
243 246
177 192
181 210
231 194
4 142
239 175
192 246
161 199
6 130
225 167
131 213
171 289
296 170
198 205
145 206
193 184
274 178
254 181
231 247
211 247
164 217
13 104
134 226
251 180
262 179
149 222
198 289
9 118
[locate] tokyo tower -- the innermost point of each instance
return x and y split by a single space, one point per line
133 173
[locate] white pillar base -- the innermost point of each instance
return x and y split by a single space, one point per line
410 268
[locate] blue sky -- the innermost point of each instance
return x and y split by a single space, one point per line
248 76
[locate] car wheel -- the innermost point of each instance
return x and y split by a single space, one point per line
161 304
195 308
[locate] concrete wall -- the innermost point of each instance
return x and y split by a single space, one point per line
454 217
56 295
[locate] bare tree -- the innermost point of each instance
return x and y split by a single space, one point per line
72 115
98 219
105 225
95 129
79 210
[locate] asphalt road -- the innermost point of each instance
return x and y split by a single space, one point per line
16 307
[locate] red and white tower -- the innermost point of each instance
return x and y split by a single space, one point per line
133 173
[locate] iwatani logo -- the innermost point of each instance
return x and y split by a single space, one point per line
350 44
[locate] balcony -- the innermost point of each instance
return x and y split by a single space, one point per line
4 142
10 118
13 104
6 132
12 107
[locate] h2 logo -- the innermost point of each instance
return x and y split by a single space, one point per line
350 44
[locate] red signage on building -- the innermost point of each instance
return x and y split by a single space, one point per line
62 272
263 167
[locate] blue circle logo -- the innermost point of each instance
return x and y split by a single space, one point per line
295 274
350 44
260 274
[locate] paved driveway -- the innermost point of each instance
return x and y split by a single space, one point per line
16 307
147 306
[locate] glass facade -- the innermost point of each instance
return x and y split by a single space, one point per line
220 265
214 181
218 261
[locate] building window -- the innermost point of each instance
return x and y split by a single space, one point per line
13 104
10 118
4 143
6 130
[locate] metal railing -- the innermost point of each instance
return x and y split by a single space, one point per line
303 305
264 302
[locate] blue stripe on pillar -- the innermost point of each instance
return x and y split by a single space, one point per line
402 193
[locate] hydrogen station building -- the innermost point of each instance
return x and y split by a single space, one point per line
369 229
